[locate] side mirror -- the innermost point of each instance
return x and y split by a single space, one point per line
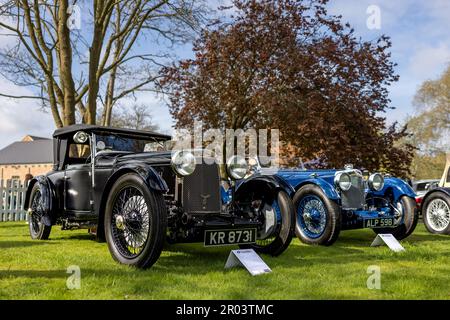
80 137
427 187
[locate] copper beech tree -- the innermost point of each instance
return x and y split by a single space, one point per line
292 66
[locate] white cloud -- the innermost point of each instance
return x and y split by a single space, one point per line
7 37
420 42
429 61
21 117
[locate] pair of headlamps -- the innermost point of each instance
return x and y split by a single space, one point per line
184 163
343 180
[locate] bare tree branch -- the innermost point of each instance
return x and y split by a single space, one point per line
23 97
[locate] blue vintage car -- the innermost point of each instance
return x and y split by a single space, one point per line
328 201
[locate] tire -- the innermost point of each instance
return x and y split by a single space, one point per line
410 219
318 219
278 240
135 222
436 213
98 233
38 230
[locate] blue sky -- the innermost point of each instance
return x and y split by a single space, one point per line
421 41
421 48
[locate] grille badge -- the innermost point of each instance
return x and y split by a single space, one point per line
205 198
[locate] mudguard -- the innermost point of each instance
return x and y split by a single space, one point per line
327 188
152 179
48 196
396 187
274 183
439 189
298 179
145 171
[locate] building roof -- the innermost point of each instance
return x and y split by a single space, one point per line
28 152
34 138
70 130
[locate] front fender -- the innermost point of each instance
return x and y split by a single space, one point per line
151 178
439 189
273 182
329 190
296 182
48 196
396 188
145 171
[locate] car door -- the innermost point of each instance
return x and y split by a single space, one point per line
78 184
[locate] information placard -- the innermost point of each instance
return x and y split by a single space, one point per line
389 240
248 259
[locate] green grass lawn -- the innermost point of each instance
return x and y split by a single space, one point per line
37 270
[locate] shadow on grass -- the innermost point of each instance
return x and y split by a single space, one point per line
416 237
365 239
20 244
192 259
50 274
9 236
75 237
15 225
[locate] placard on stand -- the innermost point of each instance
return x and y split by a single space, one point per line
389 240
248 259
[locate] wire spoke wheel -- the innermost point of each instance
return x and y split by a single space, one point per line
399 212
271 224
130 223
135 222
37 212
39 230
276 218
312 216
438 215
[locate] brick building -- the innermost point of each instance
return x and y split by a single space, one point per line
30 156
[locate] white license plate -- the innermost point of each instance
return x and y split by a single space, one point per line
229 237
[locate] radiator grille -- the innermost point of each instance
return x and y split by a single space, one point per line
355 197
201 190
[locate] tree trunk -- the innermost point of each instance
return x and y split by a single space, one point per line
53 103
107 113
109 100
65 52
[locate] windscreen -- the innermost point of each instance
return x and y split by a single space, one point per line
114 142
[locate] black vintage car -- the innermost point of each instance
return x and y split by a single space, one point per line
137 195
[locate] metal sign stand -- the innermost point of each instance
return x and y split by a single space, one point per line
389 240
248 259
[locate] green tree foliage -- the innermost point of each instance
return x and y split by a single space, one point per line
430 128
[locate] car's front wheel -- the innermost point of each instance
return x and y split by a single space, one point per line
407 211
436 213
135 222
38 230
318 218
276 231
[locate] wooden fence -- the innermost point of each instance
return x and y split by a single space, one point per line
12 198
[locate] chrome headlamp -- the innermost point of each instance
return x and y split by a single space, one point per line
343 181
183 162
237 167
376 182
80 137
